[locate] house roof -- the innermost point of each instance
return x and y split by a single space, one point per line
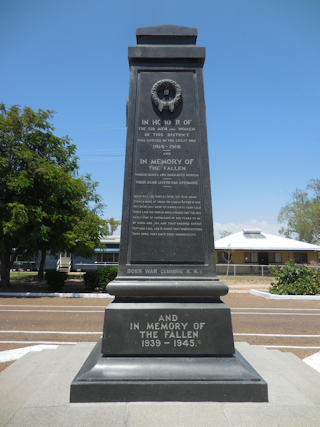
257 240
110 239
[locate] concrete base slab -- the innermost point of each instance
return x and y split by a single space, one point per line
313 361
268 295
35 392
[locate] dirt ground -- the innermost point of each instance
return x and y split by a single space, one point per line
285 325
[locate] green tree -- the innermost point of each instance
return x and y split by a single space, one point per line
71 220
43 204
113 224
302 214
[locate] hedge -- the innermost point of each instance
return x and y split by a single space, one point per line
100 278
55 279
295 280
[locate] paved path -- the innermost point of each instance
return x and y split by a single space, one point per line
35 392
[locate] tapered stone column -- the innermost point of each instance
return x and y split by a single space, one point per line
167 335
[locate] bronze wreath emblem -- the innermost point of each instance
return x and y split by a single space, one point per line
166 94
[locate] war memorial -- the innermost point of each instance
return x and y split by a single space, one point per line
167 355
167 335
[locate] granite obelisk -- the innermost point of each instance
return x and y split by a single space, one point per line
167 335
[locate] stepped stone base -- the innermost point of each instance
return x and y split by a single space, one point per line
125 379
35 391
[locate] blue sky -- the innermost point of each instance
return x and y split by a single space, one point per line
261 86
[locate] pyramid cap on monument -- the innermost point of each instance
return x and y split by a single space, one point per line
166 34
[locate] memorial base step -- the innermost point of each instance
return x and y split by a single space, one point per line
133 379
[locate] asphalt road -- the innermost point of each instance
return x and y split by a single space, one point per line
286 325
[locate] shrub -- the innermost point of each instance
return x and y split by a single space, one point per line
91 279
106 275
55 279
100 278
294 280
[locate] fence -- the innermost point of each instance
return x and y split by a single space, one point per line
91 266
222 269
250 269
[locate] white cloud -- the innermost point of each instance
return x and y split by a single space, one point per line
233 227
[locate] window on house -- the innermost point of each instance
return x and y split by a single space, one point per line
107 257
224 257
278 258
251 257
271 258
275 258
301 257
99 257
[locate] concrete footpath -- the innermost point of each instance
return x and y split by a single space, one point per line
35 392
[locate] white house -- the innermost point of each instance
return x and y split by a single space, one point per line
257 248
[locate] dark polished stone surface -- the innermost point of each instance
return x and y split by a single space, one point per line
114 379
166 228
166 34
167 288
167 336
167 329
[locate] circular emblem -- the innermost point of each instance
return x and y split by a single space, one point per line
166 94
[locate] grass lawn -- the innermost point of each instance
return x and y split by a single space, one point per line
23 275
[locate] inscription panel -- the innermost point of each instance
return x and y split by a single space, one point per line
166 331
166 218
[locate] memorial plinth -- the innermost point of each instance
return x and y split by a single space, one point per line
167 335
